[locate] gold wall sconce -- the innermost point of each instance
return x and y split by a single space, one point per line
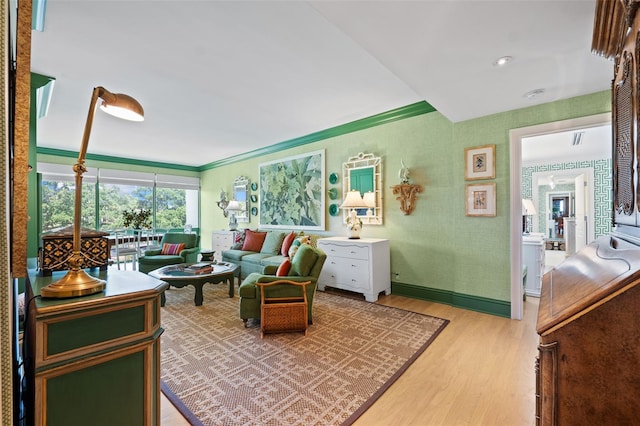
406 192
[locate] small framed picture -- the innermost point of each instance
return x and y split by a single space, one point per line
480 162
481 199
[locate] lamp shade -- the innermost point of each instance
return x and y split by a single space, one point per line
353 200
122 106
528 209
369 199
234 206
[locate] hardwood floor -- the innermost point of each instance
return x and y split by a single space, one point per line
479 371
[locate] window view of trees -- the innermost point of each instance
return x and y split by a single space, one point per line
58 198
171 205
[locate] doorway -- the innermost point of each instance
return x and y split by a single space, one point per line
516 193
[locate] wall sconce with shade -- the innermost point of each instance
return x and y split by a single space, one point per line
77 282
233 208
528 210
353 201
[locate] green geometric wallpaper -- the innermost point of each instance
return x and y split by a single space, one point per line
602 190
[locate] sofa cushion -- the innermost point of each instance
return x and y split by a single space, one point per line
272 260
283 269
253 240
297 242
272 242
303 261
255 258
235 255
172 249
162 259
286 243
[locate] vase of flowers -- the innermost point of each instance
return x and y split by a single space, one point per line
137 218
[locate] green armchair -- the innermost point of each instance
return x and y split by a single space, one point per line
154 259
305 266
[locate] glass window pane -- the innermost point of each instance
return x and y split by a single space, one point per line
114 199
58 201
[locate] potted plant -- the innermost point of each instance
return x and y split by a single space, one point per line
137 218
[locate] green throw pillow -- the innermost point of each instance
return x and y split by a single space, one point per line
303 261
272 243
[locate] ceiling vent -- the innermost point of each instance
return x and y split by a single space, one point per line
577 138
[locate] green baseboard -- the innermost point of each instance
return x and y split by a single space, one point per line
474 303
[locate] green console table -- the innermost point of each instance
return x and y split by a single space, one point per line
94 360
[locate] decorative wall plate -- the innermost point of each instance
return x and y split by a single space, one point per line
333 178
333 193
333 210
254 198
254 211
254 186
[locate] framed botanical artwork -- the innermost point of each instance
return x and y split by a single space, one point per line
292 192
481 199
480 162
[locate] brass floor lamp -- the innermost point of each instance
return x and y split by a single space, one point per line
77 282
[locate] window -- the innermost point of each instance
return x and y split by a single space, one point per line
120 190
58 197
177 201
174 200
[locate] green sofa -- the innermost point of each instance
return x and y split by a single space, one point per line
270 254
154 259
305 266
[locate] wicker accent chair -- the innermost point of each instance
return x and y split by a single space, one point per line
154 259
305 266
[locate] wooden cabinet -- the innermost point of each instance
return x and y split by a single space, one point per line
94 360
533 257
358 265
587 366
222 240
588 323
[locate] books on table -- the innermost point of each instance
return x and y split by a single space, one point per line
199 268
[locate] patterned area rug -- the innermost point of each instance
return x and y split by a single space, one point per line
226 374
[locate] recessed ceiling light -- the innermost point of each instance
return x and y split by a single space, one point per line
534 93
502 61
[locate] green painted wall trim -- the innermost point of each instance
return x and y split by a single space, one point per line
401 113
117 160
465 301
39 80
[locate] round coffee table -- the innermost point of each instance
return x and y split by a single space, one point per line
179 276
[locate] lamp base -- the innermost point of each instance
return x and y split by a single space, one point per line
354 233
75 283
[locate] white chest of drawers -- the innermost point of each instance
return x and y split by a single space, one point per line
221 240
533 257
359 265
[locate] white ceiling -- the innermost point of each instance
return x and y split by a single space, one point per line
593 143
220 78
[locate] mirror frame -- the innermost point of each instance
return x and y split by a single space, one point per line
358 162
241 187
